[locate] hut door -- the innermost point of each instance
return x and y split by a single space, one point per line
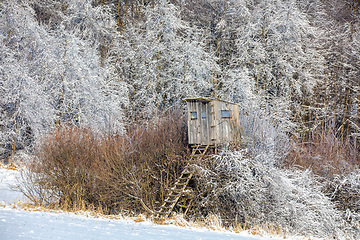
205 123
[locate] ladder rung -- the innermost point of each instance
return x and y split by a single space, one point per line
185 178
180 184
202 148
166 205
174 189
178 190
187 174
163 207
188 194
182 206
168 198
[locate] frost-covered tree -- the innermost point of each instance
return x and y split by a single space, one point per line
338 93
232 82
163 60
85 90
275 45
26 63
54 73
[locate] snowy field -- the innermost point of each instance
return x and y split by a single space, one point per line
8 182
21 224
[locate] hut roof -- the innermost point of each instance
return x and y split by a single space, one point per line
204 99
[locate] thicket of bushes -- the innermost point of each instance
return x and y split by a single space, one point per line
249 192
325 151
254 186
335 160
79 169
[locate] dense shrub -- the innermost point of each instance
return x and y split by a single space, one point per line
335 160
344 191
127 171
244 191
265 140
144 163
64 166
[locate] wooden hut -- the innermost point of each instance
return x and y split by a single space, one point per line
212 122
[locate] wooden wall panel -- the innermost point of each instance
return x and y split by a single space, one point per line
210 128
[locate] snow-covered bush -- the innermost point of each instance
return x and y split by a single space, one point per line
262 135
344 191
241 188
252 187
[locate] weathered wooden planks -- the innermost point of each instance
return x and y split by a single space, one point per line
211 121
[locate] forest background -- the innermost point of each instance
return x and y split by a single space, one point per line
105 65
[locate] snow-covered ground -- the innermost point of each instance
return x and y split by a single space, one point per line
20 224
8 183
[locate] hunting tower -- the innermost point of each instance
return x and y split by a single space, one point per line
211 122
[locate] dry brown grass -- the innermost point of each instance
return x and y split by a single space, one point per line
211 222
325 153
10 166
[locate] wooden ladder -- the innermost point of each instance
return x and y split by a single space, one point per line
176 192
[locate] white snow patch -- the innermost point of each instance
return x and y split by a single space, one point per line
9 192
21 224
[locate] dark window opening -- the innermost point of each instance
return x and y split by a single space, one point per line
203 115
225 113
193 115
